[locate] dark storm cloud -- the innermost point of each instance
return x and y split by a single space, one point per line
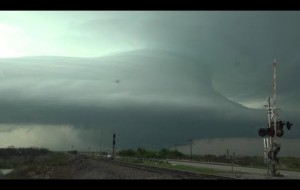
154 123
238 46
158 94
257 39
191 74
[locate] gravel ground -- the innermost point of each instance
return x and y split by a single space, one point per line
81 167
92 169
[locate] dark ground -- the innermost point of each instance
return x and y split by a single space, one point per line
70 166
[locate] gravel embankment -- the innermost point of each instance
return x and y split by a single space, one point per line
96 169
80 167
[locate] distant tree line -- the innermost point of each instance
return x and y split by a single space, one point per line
174 154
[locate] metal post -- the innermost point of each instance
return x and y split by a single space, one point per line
269 139
227 155
191 149
232 162
114 143
101 141
273 169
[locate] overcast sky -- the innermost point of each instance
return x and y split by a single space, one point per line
156 78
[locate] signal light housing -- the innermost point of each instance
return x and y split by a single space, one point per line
279 132
270 132
262 132
288 125
279 125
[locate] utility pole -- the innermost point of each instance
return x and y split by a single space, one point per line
227 154
191 147
114 143
232 161
101 141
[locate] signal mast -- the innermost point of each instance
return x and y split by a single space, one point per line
274 129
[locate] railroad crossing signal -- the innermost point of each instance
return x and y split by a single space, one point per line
270 131
275 127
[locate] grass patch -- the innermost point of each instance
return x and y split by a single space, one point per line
52 165
56 159
12 162
185 168
163 164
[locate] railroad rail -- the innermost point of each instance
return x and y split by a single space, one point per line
180 174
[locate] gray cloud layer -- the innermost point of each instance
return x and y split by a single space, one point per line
159 98
178 75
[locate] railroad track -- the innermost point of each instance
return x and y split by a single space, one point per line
180 174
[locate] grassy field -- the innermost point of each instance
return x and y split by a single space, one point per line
51 165
163 164
160 163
